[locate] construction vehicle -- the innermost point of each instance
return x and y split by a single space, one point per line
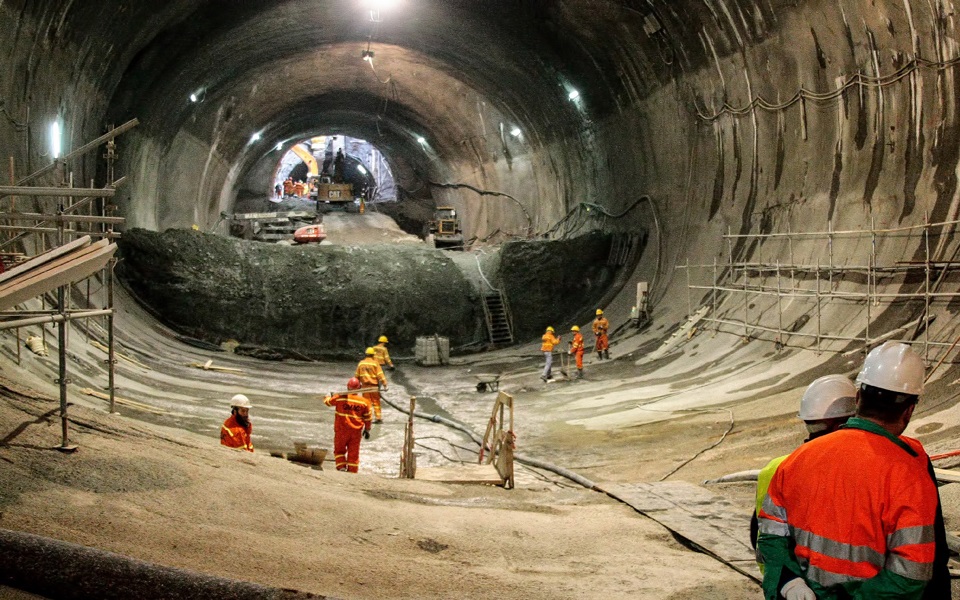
445 229
331 195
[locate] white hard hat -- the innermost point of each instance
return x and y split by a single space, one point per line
240 401
894 366
828 397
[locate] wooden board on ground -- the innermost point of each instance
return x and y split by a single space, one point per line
706 519
466 473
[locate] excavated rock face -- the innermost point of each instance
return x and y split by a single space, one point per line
318 301
333 301
551 282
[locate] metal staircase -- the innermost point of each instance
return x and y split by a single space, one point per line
497 313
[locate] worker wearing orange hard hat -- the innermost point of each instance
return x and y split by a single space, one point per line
382 354
370 374
351 422
600 327
576 349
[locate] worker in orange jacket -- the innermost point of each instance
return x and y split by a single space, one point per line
576 349
288 186
370 374
382 354
600 327
351 422
236 431
856 514
549 341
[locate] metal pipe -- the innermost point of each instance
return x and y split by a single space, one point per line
64 218
54 318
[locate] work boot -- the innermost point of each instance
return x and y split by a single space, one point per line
543 378
606 354
579 374
599 355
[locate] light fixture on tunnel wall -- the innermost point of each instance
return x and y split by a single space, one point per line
280 146
198 95
515 132
573 95
255 137
421 140
361 169
56 140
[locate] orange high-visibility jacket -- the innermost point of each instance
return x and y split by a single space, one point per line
234 435
600 325
856 503
370 373
576 346
353 410
382 355
549 341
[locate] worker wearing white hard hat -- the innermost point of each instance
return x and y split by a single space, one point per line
856 513
237 430
827 403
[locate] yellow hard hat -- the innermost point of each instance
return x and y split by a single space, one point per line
370 352
575 328
383 339
599 312
550 329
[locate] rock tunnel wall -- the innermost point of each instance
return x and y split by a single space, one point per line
669 108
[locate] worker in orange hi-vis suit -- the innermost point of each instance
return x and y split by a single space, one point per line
382 354
549 341
576 349
237 429
600 327
371 374
352 422
288 186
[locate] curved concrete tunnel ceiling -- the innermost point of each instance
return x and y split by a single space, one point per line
453 75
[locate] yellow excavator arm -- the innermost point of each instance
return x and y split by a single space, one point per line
312 167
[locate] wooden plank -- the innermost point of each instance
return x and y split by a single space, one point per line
74 270
711 522
50 271
947 476
465 473
40 259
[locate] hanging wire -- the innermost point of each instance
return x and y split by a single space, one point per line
858 79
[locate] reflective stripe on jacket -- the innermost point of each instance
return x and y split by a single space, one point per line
600 325
370 373
234 435
381 355
860 507
577 345
549 341
353 410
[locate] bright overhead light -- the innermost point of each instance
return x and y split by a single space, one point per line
573 95
421 140
255 137
56 139
193 97
515 132
280 146
361 169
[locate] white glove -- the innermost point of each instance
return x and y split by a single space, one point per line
797 589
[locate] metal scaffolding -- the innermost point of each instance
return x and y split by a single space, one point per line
747 297
55 227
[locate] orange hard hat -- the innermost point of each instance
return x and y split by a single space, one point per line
353 384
